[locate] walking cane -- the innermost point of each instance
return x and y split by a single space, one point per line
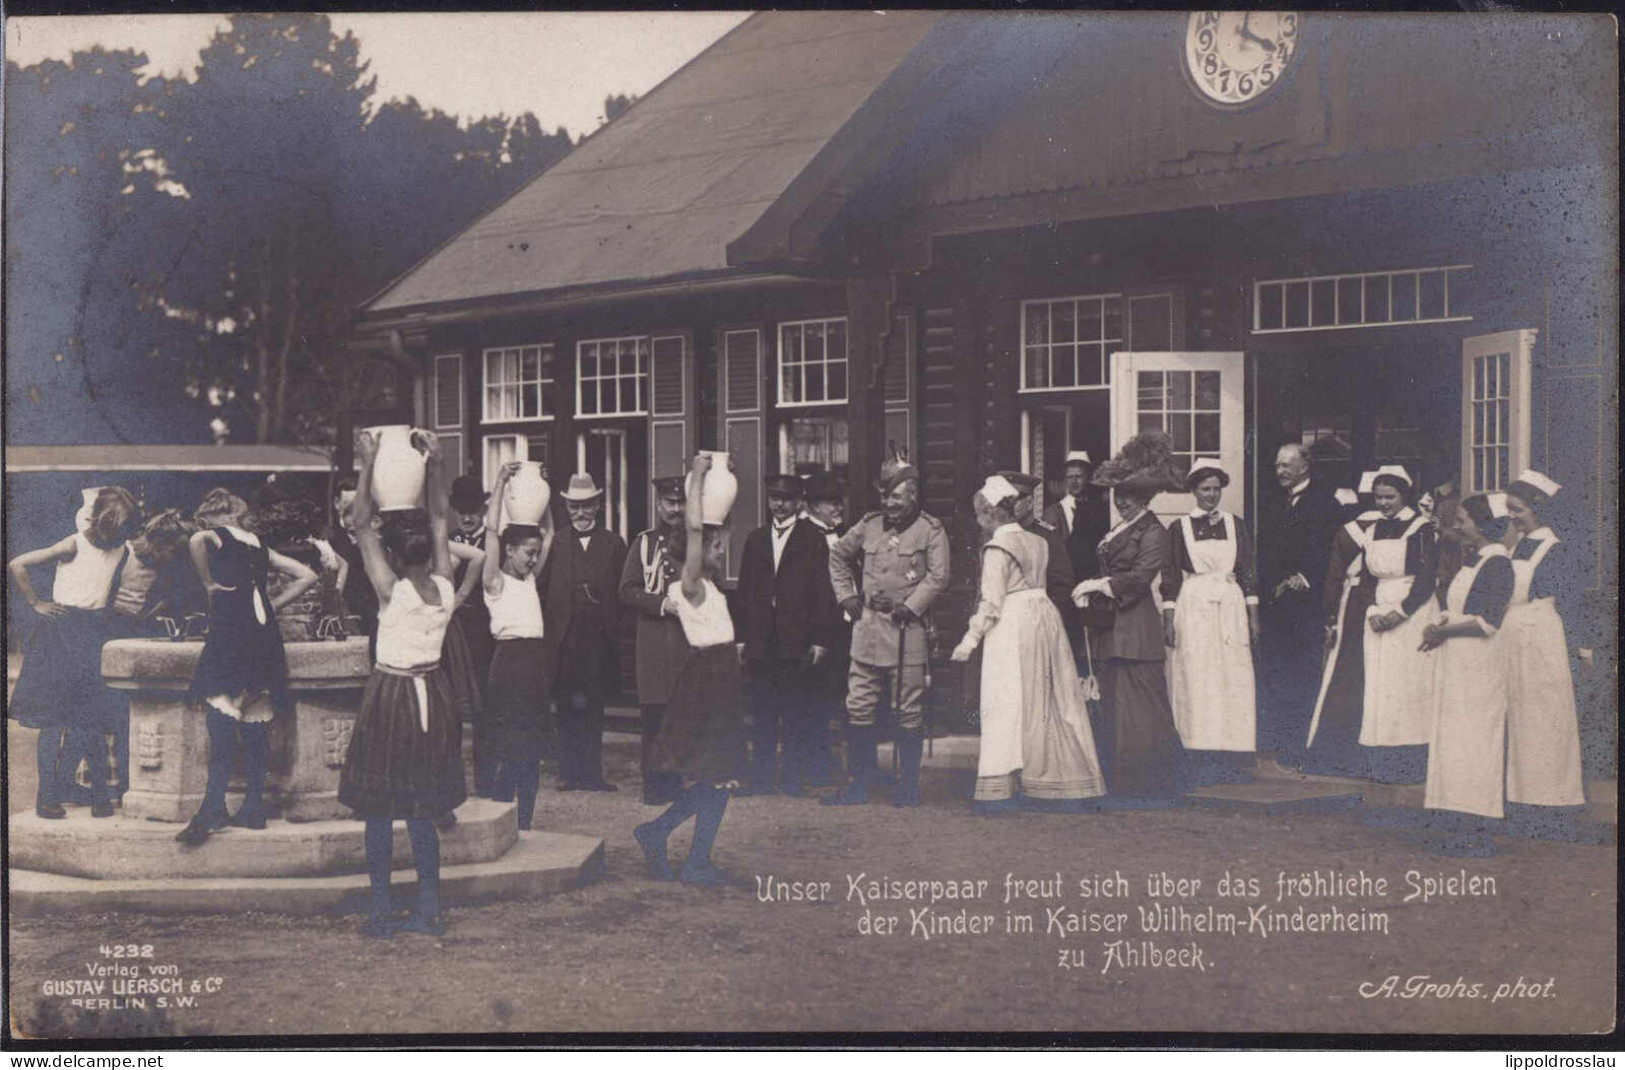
897 700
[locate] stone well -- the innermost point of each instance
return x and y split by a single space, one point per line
311 859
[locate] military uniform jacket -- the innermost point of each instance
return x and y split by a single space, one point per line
908 566
661 648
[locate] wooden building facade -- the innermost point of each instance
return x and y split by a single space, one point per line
995 238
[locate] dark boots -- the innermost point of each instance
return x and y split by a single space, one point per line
910 748
860 758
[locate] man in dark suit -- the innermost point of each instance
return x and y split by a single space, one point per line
1081 515
788 606
580 605
825 511
1294 545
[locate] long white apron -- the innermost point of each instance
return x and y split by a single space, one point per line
1467 752
1398 703
1210 671
1033 714
1543 726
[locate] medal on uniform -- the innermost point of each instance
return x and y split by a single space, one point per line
911 576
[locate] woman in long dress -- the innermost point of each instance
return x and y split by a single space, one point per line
1466 756
1543 725
1036 742
1145 766
1210 617
1372 714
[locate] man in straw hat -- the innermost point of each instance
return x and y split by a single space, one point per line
650 568
580 604
790 625
1081 514
898 559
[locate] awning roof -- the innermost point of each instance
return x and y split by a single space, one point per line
661 191
193 458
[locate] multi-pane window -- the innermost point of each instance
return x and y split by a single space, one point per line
517 379
1368 299
1186 405
612 376
812 362
1491 430
1066 342
814 444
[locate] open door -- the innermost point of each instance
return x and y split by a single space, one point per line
1199 399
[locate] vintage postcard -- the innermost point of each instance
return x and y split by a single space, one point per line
824 522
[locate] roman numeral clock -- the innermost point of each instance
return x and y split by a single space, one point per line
1235 58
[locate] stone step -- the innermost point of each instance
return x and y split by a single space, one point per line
121 848
539 863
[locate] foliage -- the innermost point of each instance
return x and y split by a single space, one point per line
185 256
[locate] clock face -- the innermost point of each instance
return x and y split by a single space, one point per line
1236 57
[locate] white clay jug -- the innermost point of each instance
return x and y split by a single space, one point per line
528 494
398 470
720 489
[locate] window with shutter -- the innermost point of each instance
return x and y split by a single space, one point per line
741 433
671 431
448 392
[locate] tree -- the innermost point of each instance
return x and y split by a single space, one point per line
615 105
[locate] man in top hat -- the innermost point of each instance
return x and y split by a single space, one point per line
825 510
468 500
1081 515
886 572
580 604
650 569
789 628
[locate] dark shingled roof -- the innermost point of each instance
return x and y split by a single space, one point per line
661 191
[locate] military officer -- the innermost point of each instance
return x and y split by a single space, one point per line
898 557
661 649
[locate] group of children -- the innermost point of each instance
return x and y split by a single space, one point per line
116 575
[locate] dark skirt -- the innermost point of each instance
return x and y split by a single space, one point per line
1147 756
702 734
394 768
457 662
241 655
518 699
60 683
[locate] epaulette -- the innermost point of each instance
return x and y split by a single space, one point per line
1045 524
933 521
876 515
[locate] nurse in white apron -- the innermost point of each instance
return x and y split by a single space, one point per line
1543 727
1210 621
1383 571
1467 755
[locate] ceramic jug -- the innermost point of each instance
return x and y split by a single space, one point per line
719 490
528 494
398 471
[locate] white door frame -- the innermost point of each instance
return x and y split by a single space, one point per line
1232 418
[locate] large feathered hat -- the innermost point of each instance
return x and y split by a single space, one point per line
1145 462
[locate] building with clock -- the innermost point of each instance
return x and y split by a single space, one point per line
993 239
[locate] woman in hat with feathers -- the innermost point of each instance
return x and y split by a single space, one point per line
1543 727
1145 754
1373 713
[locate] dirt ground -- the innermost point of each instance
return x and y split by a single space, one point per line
630 954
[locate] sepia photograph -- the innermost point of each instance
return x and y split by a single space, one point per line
1185 443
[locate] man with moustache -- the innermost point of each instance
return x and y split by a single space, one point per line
1081 515
580 604
1294 546
650 569
898 559
789 628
